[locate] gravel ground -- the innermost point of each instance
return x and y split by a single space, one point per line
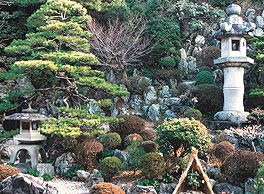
69 187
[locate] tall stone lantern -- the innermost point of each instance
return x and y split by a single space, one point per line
29 138
233 34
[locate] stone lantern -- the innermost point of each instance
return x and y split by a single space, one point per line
233 34
29 137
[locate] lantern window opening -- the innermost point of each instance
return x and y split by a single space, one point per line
35 125
25 126
235 45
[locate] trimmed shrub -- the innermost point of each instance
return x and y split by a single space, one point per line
207 56
106 188
153 166
182 88
162 74
88 152
223 150
179 135
210 98
131 124
7 170
255 98
112 140
110 167
149 146
132 138
137 84
242 164
193 113
167 62
204 77
148 134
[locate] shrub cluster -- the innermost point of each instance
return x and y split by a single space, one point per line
210 98
193 113
204 77
162 74
112 140
182 88
7 170
167 62
137 84
131 124
223 150
242 164
179 135
106 188
110 167
207 56
149 146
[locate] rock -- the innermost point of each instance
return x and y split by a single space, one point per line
199 40
110 77
24 84
225 187
213 171
139 189
63 163
218 77
175 101
83 175
154 113
192 67
261 77
126 187
122 155
104 126
212 182
259 22
45 168
165 92
25 184
183 54
250 15
52 108
23 167
136 102
92 108
167 188
249 187
150 94
170 114
183 66
7 151
258 32
95 178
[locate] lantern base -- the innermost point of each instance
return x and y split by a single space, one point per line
233 116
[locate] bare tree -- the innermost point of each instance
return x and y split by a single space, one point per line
120 44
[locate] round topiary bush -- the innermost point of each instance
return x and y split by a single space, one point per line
204 77
88 152
179 135
131 124
132 138
193 113
7 170
112 140
110 167
149 146
242 164
223 150
210 98
106 188
167 62
182 88
148 134
153 166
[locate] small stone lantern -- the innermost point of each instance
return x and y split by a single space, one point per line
233 33
29 137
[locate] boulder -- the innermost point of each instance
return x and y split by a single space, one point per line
167 188
25 184
150 94
63 163
52 108
136 102
104 126
165 92
261 77
154 113
95 178
122 155
192 67
199 40
259 22
24 84
7 151
45 168
139 189
92 108
170 114
183 54
183 66
213 172
227 188
83 175
249 187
